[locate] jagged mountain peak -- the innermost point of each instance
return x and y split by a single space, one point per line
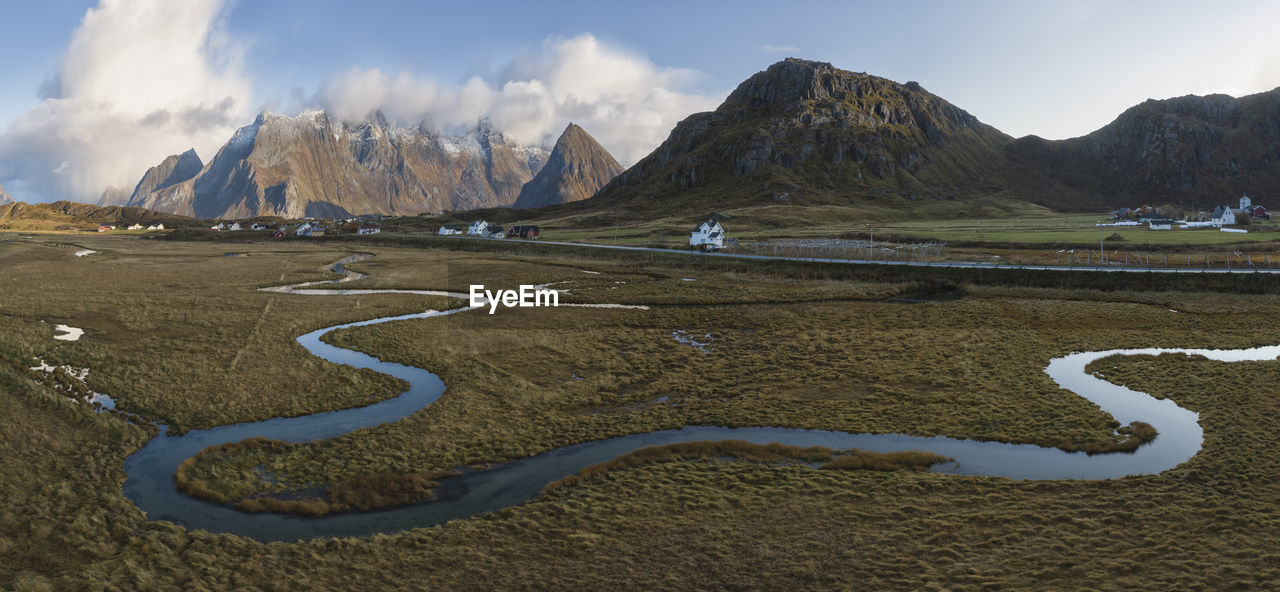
577 168
312 164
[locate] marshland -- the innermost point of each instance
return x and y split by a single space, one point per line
178 333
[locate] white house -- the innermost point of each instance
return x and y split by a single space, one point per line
477 228
370 228
493 231
219 227
304 229
448 230
708 236
1160 224
135 227
257 226
234 226
1223 216
1246 204
156 227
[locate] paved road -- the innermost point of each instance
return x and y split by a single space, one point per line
948 264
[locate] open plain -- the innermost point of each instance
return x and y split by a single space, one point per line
177 332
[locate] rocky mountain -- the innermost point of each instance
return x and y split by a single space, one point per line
806 132
577 168
113 196
174 169
1191 151
311 165
5 198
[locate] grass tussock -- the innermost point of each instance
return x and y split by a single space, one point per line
773 453
908 460
372 492
1136 434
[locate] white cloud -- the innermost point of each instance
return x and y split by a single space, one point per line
141 79
626 101
767 48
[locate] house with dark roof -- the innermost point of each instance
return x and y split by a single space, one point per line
493 231
1223 216
523 232
708 236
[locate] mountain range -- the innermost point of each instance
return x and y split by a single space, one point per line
799 132
311 165
804 132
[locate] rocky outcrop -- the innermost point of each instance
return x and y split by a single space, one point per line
171 171
311 165
805 131
1191 150
577 168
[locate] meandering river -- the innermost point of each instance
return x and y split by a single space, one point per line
150 470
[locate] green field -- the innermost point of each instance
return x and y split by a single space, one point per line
177 331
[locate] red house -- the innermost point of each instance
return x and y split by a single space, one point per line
523 232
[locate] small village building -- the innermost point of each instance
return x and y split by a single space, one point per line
1259 213
306 229
370 228
708 236
105 228
1146 217
1163 224
1246 203
477 228
1122 214
450 230
219 228
1222 216
279 233
156 227
493 231
523 232
234 226
257 226
134 227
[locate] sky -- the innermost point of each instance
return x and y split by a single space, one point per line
92 93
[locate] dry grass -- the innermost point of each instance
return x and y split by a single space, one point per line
970 368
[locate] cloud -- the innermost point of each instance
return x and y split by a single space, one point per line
625 101
767 48
140 79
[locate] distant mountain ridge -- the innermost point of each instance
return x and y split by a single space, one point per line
1190 150
804 132
310 165
5 198
577 168
70 215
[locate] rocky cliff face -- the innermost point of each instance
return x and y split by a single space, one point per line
577 168
171 171
1188 150
805 131
312 166
4 196
113 196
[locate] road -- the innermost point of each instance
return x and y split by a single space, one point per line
945 264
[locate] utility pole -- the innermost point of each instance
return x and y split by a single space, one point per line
1100 248
871 248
